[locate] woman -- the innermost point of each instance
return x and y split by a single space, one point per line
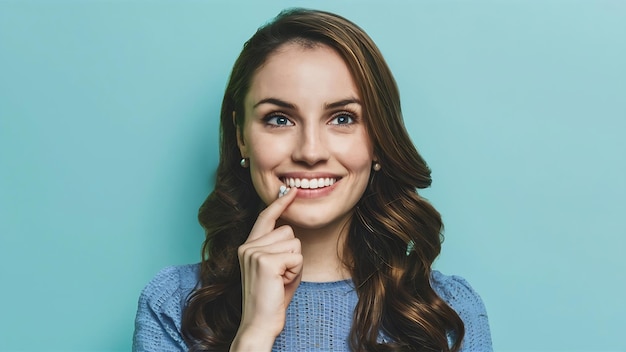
316 238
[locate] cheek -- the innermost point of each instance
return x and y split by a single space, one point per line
265 155
359 164
356 154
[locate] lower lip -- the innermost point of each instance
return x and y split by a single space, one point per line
310 193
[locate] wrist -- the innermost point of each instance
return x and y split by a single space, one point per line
251 341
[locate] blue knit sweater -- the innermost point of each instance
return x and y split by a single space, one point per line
319 316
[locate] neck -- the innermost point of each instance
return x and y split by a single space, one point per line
322 251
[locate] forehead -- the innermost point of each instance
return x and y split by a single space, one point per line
295 72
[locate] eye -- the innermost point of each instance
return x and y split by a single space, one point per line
278 120
343 118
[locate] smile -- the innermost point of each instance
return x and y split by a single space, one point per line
311 183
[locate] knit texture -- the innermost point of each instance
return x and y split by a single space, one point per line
319 316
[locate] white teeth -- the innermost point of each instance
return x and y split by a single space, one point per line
309 183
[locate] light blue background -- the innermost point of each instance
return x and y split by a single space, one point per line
108 142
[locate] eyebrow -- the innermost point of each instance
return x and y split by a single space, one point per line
341 103
275 101
286 105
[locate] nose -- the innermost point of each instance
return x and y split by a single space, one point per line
312 145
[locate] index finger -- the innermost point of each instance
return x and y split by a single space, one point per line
266 222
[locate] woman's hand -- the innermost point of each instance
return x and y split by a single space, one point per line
271 266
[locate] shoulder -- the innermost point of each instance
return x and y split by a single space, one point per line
461 297
172 278
456 291
160 308
170 282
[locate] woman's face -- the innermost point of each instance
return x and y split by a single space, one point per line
304 128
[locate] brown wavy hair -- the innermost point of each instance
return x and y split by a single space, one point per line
395 234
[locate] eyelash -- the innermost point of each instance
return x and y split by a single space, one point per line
346 112
274 115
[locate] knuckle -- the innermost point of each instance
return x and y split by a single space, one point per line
257 256
263 260
245 251
263 214
287 231
241 251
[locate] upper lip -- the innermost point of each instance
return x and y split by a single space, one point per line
309 175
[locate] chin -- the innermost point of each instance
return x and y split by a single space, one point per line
313 222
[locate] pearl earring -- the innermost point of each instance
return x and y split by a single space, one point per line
244 163
376 166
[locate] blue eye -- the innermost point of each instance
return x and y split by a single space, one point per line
342 119
278 120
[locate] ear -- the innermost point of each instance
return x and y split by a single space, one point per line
240 142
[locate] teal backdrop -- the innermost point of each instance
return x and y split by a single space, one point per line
108 145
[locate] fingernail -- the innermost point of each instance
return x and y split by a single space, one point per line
283 190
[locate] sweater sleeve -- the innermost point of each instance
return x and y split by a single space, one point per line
159 312
461 297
